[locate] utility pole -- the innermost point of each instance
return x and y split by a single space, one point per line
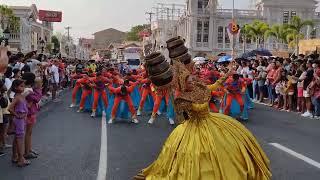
68 29
150 18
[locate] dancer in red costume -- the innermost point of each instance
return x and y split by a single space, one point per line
159 95
86 85
76 87
146 90
99 90
122 93
235 89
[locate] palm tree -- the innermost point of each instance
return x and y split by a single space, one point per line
297 25
257 29
245 35
293 38
279 32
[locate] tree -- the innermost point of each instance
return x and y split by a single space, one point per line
245 35
56 44
7 18
257 30
296 26
279 32
133 34
293 38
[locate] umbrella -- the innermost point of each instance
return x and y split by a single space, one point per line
260 52
196 59
225 59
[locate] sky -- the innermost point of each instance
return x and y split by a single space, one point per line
89 16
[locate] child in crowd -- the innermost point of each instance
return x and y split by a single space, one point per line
33 97
3 118
18 108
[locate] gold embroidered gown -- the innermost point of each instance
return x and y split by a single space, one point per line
209 146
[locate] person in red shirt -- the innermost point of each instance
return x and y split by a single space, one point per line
159 95
99 90
146 90
235 89
122 93
76 88
86 85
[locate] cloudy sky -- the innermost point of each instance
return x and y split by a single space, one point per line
88 16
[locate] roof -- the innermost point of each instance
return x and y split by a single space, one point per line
110 29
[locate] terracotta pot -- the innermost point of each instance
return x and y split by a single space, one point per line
173 44
163 78
154 59
173 39
158 69
185 58
178 51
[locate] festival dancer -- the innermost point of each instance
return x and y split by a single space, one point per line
146 91
159 96
122 93
100 83
196 149
235 89
76 88
86 85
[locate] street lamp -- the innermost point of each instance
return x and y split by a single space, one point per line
42 44
6 36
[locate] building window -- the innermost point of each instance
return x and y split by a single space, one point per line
313 34
206 31
293 13
199 4
220 34
285 17
199 31
226 36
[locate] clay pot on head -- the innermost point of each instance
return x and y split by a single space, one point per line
173 39
178 51
173 44
163 78
185 58
158 69
154 59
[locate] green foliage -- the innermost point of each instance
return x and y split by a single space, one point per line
133 34
257 30
6 14
56 44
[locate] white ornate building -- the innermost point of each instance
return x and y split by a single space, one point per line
204 25
31 30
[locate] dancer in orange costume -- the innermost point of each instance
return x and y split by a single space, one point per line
86 85
99 89
159 95
235 89
76 88
146 90
122 93
216 97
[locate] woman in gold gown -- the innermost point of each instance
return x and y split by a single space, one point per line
206 146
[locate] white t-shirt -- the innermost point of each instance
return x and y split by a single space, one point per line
246 72
33 65
54 71
18 65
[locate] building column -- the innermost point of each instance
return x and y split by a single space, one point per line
211 33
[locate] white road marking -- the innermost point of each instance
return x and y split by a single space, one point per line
102 173
297 155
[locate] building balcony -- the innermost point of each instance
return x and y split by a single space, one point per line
14 38
239 13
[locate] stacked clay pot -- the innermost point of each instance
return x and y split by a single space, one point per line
158 69
178 51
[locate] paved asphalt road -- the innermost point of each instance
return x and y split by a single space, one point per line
69 144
